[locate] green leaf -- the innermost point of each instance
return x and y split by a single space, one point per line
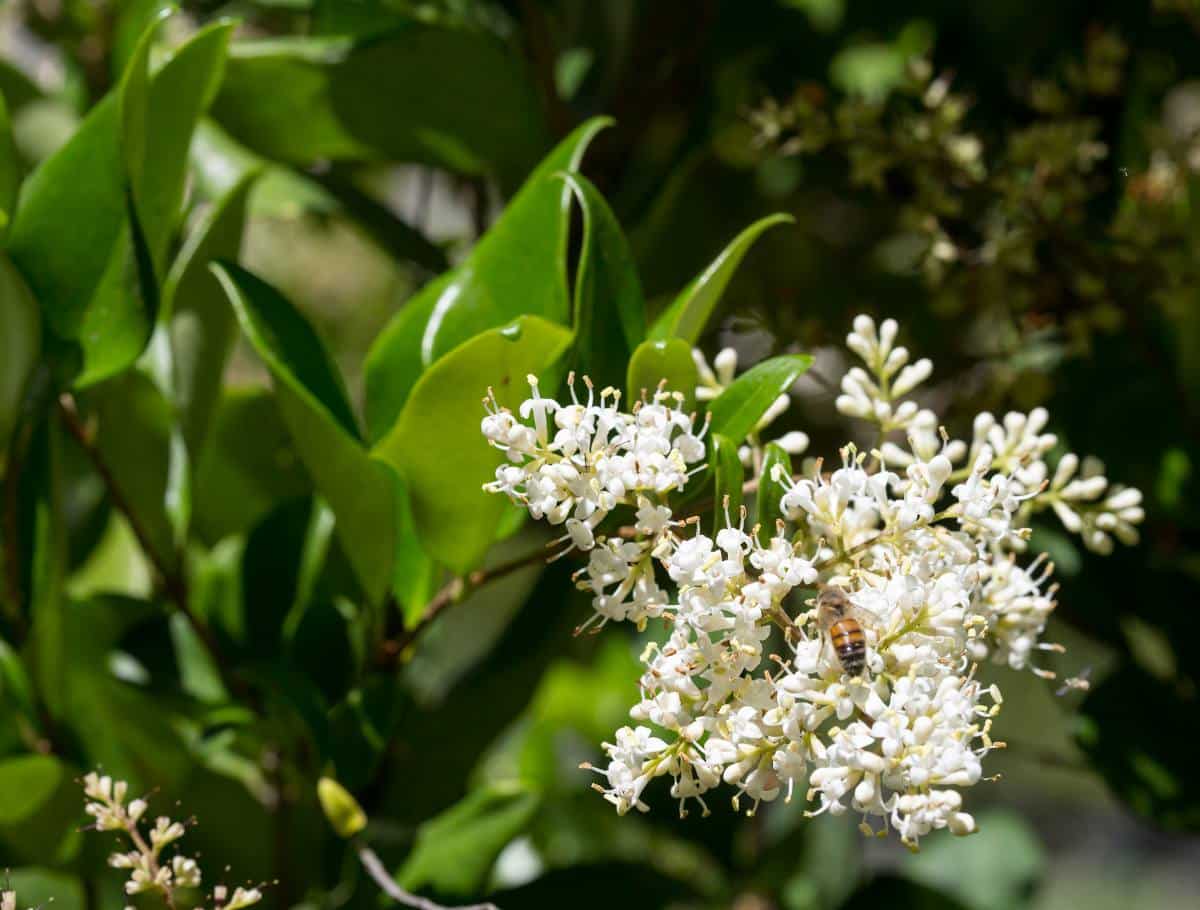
180 92
16 87
654 361
688 314
610 311
135 444
20 344
128 730
518 268
1128 728
414 576
26 783
455 851
436 444
737 411
16 691
201 323
448 97
728 477
770 490
248 465
47 533
46 888
10 171
360 490
95 218
998 868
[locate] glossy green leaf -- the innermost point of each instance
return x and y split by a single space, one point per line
312 400
20 344
248 465
610 311
770 489
85 279
179 93
414 575
728 477
26 783
202 326
517 268
119 183
688 314
655 361
436 444
450 97
737 411
455 851
10 172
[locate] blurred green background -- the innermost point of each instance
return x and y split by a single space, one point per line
1018 183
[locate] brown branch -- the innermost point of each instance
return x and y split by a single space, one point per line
173 580
375 868
451 593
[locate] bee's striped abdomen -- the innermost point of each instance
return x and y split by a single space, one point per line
850 644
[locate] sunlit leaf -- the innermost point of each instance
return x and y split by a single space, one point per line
655 362
737 411
771 490
455 851
312 400
688 314
118 184
610 317
519 267
436 444
728 477
201 323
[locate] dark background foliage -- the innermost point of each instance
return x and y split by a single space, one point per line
207 587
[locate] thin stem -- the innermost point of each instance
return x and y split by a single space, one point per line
451 593
375 868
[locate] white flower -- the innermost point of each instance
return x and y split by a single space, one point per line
922 538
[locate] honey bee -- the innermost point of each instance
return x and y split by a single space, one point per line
835 613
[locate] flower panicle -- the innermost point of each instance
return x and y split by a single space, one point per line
145 854
922 537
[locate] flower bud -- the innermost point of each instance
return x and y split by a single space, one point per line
342 810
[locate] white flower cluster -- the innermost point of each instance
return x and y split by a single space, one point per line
149 869
917 541
597 457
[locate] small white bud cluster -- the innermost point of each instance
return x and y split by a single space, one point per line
149 870
921 540
598 457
